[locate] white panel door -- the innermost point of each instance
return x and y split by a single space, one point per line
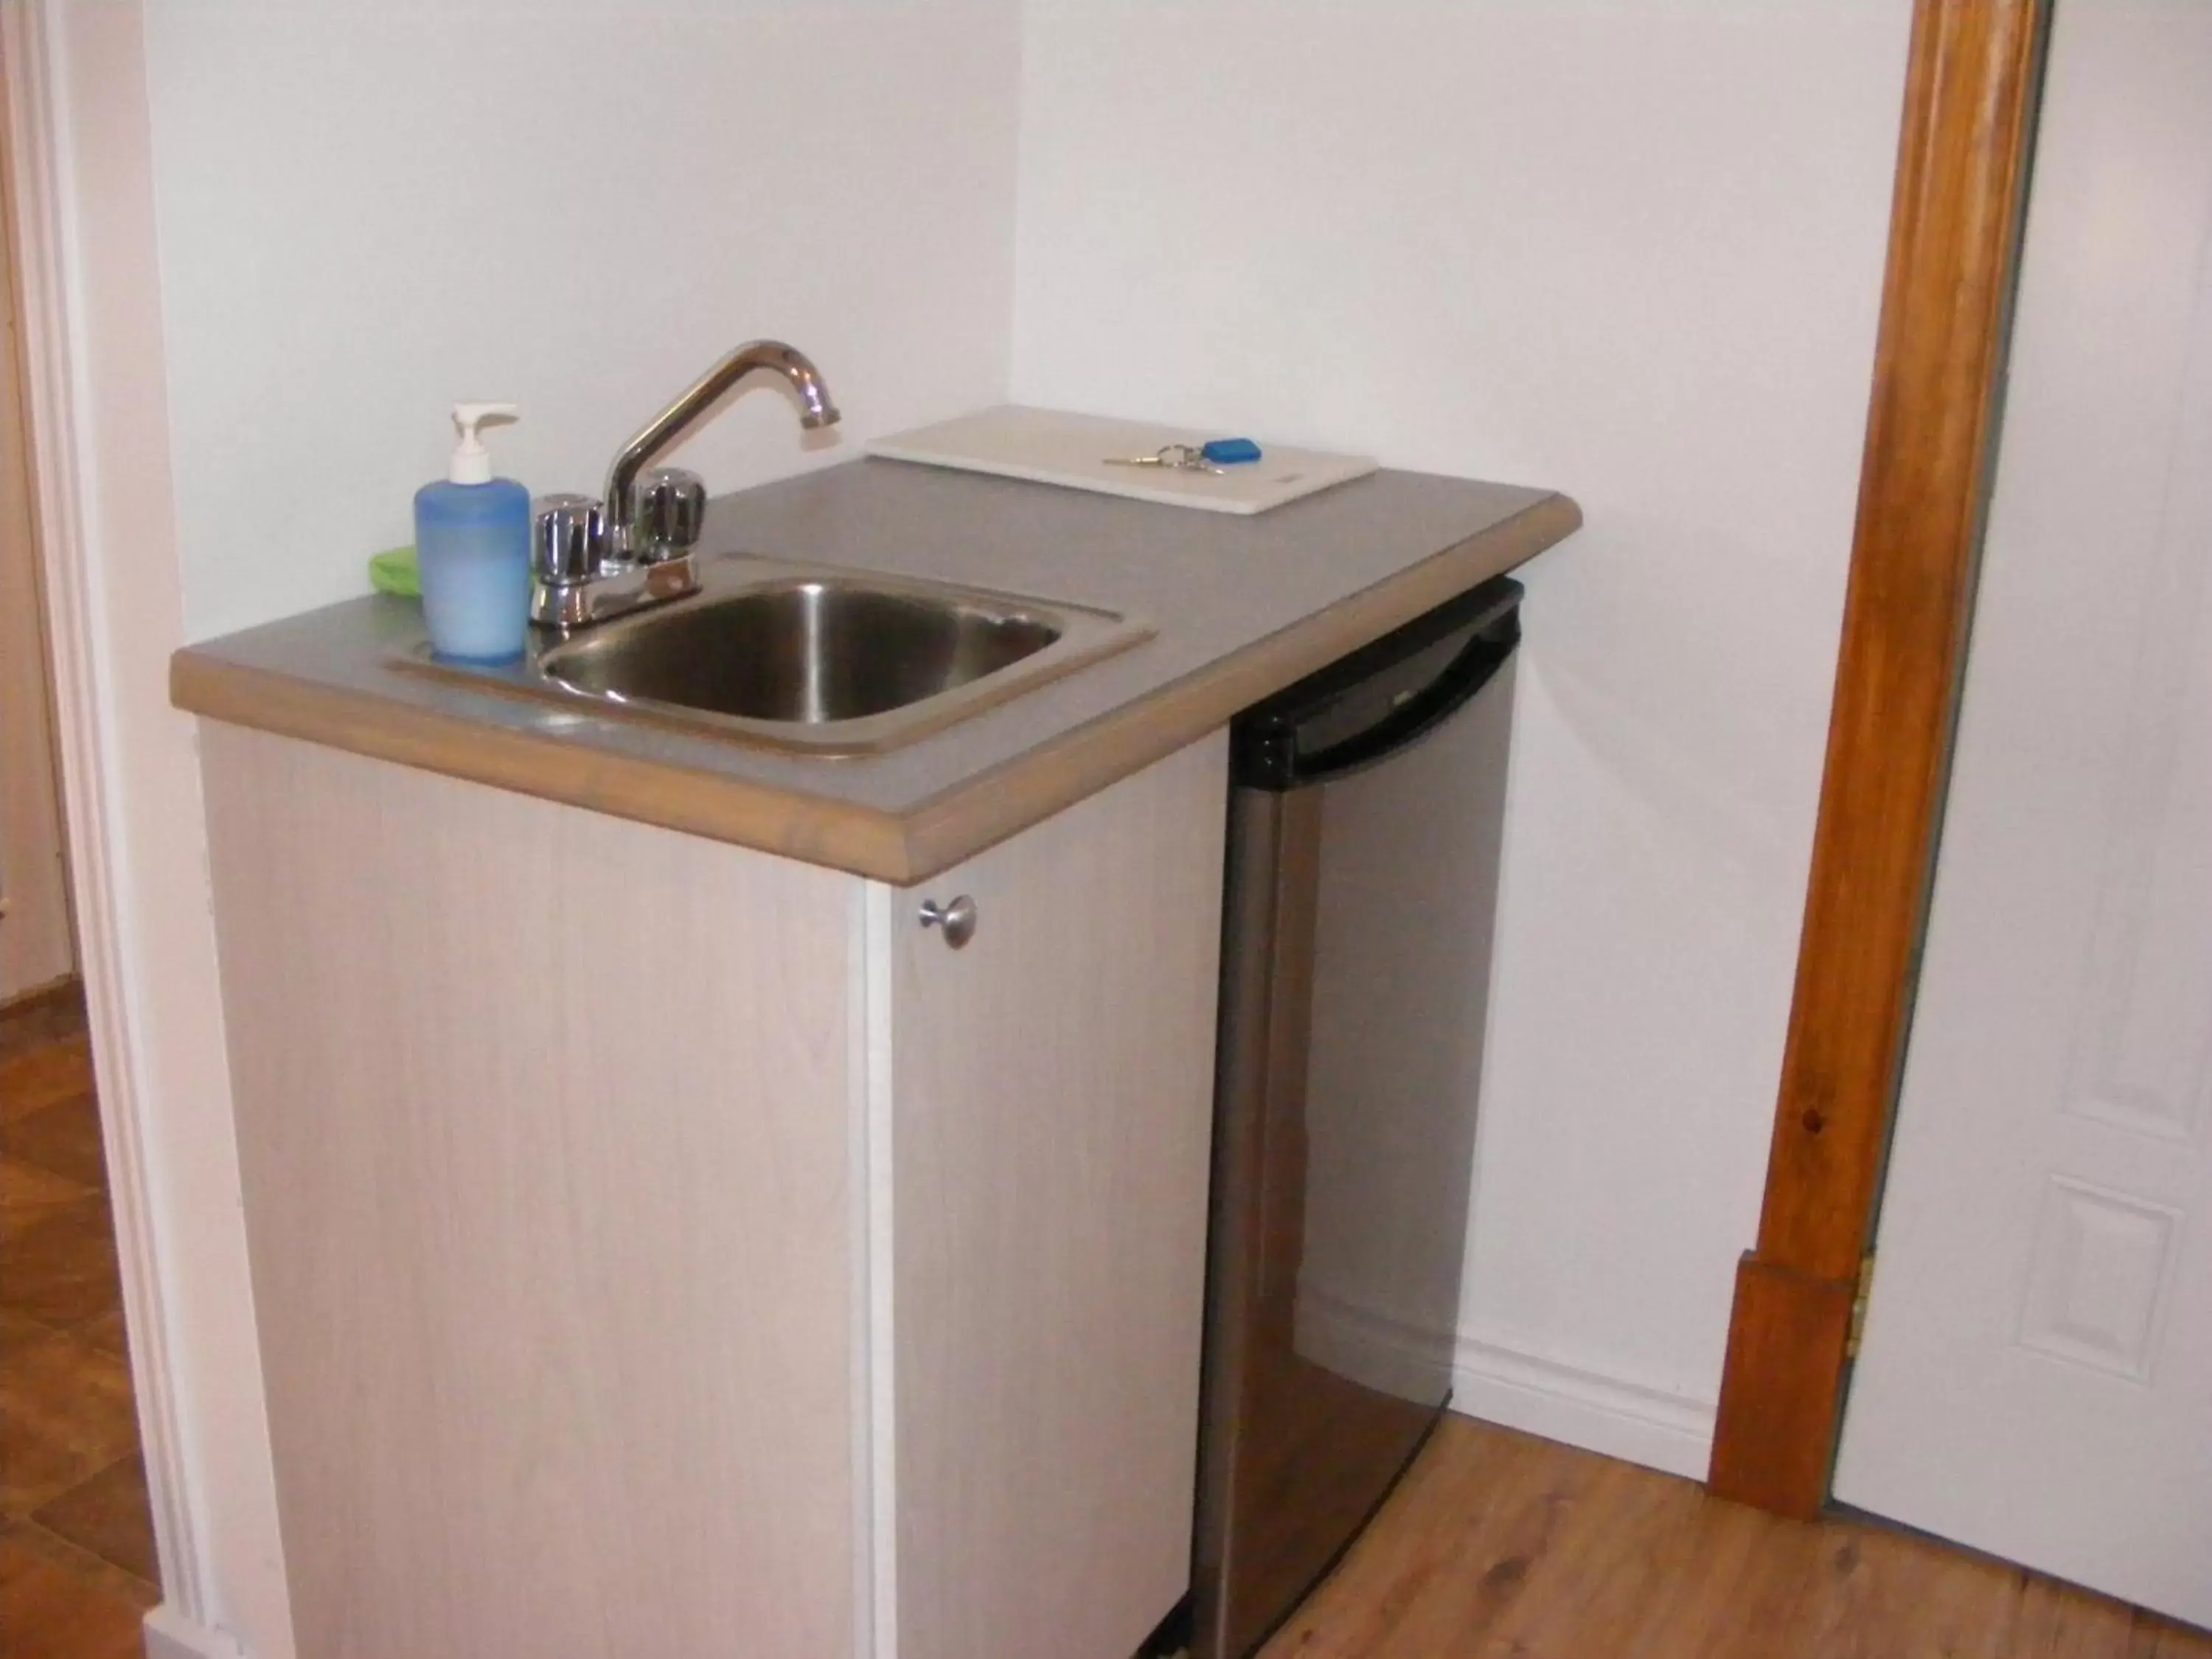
2036 1375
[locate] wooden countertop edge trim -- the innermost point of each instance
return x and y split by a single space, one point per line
986 809
719 807
972 814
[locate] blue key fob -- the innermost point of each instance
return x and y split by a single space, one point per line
1230 452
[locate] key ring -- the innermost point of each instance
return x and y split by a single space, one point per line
1194 458
1187 458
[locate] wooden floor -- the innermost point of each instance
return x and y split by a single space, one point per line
1498 1547
76 1547
1506 1547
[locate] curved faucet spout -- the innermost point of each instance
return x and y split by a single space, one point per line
817 409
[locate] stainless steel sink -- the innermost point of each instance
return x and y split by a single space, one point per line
832 662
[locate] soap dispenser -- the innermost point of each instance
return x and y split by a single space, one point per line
473 544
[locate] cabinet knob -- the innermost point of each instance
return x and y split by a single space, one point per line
958 919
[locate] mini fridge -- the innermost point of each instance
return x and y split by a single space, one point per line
1364 824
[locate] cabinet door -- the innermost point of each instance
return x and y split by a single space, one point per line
1053 1093
548 1212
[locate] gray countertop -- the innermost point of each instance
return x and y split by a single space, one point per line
1242 606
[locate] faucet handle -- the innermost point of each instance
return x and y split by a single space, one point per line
671 509
567 535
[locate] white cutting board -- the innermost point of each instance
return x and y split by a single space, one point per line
1049 446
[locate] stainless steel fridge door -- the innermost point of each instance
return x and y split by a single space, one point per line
1360 924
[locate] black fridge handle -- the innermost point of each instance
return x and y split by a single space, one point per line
1273 760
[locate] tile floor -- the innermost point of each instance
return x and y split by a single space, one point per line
76 1544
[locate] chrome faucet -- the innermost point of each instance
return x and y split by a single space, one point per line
592 560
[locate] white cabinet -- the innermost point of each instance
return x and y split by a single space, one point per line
661 1247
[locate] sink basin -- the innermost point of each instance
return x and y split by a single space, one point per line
809 658
810 651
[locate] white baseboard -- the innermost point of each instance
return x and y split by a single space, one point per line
170 1635
1500 1384
1614 1415
1381 1350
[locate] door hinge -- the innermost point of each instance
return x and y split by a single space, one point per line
1859 1300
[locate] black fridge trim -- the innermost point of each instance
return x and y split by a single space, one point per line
1264 751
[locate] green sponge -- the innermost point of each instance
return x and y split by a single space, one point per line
394 571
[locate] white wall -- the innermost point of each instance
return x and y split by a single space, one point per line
295 233
368 209
1633 251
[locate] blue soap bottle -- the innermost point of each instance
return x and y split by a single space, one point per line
473 544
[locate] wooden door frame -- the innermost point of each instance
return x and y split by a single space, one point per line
1971 89
38 932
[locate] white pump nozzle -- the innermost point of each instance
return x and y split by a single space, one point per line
471 461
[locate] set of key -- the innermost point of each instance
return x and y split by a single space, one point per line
1215 457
